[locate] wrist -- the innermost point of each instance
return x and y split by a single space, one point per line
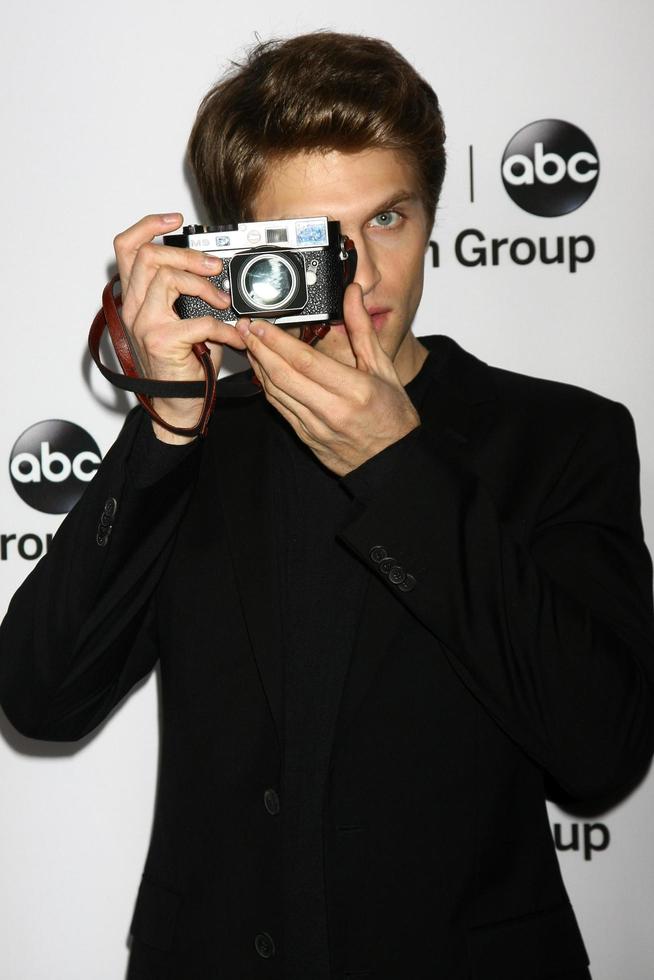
183 416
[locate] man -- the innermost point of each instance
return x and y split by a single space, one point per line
392 596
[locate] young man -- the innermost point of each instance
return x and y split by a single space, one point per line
392 596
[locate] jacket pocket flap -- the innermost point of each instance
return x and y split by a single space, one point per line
155 914
537 946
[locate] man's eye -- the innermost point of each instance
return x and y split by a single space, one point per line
387 219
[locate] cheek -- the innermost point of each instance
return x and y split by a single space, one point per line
408 278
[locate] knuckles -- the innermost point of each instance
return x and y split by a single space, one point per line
304 361
119 242
279 377
165 275
147 253
362 397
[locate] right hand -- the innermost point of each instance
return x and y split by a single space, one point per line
151 279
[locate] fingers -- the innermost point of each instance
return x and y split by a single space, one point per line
302 416
167 347
167 285
201 329
285 382
158 331
128 242
296 369
138 259
152 278
370 356
152 259
289 356
303 371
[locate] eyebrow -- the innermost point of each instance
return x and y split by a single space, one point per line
399 197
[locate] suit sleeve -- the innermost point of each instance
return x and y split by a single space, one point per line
550 626
79 632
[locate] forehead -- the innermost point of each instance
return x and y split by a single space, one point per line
344 186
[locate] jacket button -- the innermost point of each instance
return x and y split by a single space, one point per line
102 535
408 583
386 565
397 574
271 801
378 552
264 945
110 507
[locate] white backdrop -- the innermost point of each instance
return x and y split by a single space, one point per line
97 107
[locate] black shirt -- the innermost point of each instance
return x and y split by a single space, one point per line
323 589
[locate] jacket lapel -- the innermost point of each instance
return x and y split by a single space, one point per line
241 446
458 407
461 384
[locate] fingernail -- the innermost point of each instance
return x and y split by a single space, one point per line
243 327
172 218
212 262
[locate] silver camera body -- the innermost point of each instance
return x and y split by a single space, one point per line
288 271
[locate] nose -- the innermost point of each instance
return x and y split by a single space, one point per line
367 273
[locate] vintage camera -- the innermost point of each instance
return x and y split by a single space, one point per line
289 271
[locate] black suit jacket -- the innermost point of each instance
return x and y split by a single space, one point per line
506 640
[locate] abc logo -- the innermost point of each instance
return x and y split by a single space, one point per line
550 167
51 463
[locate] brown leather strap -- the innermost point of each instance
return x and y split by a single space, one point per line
146 388
311 332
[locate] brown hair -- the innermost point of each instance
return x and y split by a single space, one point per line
314 92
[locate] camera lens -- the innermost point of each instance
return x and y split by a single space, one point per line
268 281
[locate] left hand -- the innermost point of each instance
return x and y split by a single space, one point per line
344 414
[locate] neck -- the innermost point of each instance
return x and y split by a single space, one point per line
409 358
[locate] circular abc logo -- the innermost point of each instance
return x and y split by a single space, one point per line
51 463
550 167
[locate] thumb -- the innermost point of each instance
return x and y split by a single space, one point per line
361 332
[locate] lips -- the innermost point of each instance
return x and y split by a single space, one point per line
379 318
378 315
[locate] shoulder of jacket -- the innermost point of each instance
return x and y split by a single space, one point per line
548 396
520 395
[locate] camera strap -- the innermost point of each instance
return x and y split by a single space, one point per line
108 317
